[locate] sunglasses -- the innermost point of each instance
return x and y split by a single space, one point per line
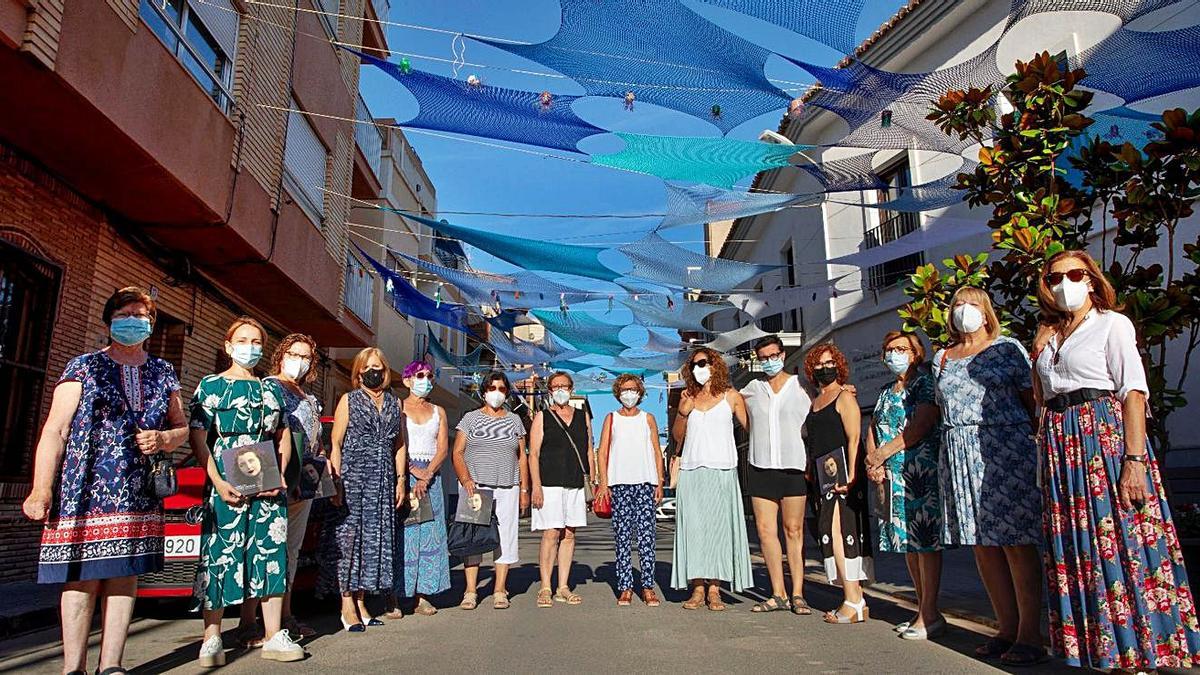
496 387
700 363
1076 275
422 375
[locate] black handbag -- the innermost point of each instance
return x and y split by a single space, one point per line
162 482
468 539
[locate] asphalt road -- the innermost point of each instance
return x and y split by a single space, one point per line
596 636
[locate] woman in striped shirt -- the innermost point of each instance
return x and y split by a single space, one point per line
489 455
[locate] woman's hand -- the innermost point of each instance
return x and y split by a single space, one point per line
1042 339
421 488
524 500
658 493
876 474
843 489
538 498
226 491
422 473
602 491
338 498
37 505
469 486
686 403
151 441
1131 488
401 491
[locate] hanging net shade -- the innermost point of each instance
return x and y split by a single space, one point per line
582 331
658 260
520 289
689 316
700 204
411 302
714 161
468 361
830 23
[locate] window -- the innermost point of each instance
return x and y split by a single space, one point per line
202 34
791 319
359 289
893 225
28 303
304 160
167 341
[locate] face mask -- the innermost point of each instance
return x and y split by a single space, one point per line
629 398
897 362
701 375
245 355
827 375
372 378
421 388
295 368
130 330
495 399
772 367
967 318
1071 295
560 396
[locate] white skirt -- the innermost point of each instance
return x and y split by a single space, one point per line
561 507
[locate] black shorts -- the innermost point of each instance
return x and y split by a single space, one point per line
775 484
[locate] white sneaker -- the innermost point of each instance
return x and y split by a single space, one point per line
212 652
281 647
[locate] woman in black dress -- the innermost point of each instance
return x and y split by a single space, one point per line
842 527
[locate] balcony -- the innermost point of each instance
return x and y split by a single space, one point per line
368 159
359 290
891 228
374 37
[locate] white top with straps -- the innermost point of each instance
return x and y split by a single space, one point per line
631 454
709 442
422 438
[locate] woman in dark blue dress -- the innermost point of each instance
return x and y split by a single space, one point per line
104 526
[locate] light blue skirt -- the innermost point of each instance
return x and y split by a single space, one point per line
710 529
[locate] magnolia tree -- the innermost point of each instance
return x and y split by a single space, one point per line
1139 196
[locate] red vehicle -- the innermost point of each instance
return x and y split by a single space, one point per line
183 513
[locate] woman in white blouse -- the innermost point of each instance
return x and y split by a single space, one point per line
1119 595
777 406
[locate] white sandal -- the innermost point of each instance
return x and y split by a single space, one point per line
861 613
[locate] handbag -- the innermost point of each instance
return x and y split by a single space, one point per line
163 482
589 491
602 506
468 539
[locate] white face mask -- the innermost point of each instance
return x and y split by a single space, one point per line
967 318
295 368
495 399
629 398
1071 295
897 362
560 396
701 375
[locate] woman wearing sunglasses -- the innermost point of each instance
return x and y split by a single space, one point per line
1119 595
489 455
710 523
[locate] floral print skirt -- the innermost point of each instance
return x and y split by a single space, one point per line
243 551
1119 594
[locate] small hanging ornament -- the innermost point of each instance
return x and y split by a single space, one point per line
516 295
629 99
610 305
562 302
660 395
474 82
796 108
545 100
437 295
670 302
635 297
716 112
389 286
885 119
405 66
1114 132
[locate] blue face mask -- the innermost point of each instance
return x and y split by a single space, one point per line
130 330
421 388
897 362
772 367
246 355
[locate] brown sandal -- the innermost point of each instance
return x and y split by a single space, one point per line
564 594
694 602
543 598
714 602
625 598
424 608
650 598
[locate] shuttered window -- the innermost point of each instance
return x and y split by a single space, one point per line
305 158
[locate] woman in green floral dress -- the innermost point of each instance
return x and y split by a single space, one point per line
243 550
902 459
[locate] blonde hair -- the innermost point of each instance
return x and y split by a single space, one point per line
360 364
991 322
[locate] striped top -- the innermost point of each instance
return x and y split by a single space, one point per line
491 451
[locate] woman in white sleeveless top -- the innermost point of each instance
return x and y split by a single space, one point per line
631 469
710 523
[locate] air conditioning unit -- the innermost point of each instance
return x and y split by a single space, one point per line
768 136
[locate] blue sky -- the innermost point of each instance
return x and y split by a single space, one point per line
484 178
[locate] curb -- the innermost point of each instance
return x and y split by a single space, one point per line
27 622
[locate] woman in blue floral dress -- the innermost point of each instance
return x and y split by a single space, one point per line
243 547
1119 593
988 470
104 526
902 458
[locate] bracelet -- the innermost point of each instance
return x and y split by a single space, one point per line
1134 458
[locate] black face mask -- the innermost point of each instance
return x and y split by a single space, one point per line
372 378
825 376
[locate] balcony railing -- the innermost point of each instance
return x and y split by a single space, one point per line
893 271
359 291
892 228
368 136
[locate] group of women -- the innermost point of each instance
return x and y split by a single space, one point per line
979 447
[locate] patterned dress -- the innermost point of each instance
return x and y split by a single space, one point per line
424 562
360 539
105 523
243 549
915 525
988 466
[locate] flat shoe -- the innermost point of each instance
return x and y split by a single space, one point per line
800 606
901 627
715 604
1020 655
564 594
469 601
500 600
694 602
650 598
544 600
993 648
425 608
625 599
924 632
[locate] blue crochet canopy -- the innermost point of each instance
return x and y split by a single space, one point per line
660 261
582 330
715 161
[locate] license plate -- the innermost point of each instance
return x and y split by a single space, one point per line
182 546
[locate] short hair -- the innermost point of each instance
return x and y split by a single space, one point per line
718 384
494 376
415 367
284 345
128 296
245 321
623 379
560 373
1104 297
913 341
360 364
972 294
767 341
814 355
